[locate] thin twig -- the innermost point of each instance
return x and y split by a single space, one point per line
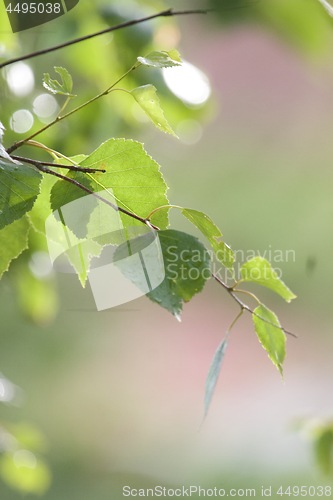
42 166
126 24
50 164
245 307
246 292
46 170
58 119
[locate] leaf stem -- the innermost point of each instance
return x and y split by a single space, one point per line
39 145
233 323
246 292
64 106
245 307
162 207
58 119
55 154
46 170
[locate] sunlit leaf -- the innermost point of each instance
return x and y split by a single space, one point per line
187 268
71 160
207 227
214 372
80 256
259 270
13 241
270 334
64 87
19 188
64 245
42 207
63 193
132 176
146 96
132 179
80 251
161 59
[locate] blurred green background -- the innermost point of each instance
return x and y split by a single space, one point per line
117 396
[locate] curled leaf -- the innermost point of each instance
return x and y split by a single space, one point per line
64 87
147 98
161 59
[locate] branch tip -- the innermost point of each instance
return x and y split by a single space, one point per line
126 24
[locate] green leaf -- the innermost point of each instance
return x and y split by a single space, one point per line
64 87
64 193
42 207
13 241
147 98
64 243
323 447
207 227
23 471
187 268
81 250
214 372
132 176
19 188
270 334
161 59
132 179
71 160
259 270
80 256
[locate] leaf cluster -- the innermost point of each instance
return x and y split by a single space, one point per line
121 186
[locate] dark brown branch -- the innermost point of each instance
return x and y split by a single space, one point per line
245 307
75 168
46 170
126 24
